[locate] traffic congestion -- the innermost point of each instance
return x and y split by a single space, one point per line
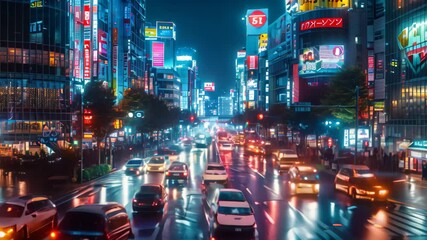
214 191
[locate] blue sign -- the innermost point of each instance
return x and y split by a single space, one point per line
165 29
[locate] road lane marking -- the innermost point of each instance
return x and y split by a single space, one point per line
268 188
408 205
256 171
249 191
269 218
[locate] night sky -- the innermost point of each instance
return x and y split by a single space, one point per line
214 28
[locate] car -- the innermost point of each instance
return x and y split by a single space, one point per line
225 145
359 182
172 154
149 198
215 172
254 148
303 179
231 214
21 217
186 143
156 164
177 170
135 166
286 160
94 221
279 153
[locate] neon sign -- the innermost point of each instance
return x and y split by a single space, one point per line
412 40
321 23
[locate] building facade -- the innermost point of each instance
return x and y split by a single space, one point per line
186 66
406 75
225 106
34 73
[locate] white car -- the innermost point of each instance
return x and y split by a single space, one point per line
233 215
225 145
215 172
134 166
156 164
20 217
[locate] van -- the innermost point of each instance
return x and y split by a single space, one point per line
95 221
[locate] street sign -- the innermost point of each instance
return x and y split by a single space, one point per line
302 106
257 18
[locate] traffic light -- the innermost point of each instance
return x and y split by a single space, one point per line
330 142
192 118
365 144
260 116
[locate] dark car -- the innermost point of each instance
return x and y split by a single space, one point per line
360 182
95 221
177 170
149 198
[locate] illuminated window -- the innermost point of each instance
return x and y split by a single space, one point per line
394 103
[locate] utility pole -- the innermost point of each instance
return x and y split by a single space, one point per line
357 124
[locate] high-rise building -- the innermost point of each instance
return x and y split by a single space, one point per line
34 74
225 106
240 85
161 77
186 66
405 67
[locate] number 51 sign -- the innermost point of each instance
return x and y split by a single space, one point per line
257 18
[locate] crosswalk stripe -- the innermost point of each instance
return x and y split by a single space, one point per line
394 220
411 223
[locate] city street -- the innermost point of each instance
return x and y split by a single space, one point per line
331 215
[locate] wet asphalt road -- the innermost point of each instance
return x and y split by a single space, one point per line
331 215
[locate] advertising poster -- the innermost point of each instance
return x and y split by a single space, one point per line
86 59
305 5
279 32
165 29
158 53
150 32
103 43
321 59
252 62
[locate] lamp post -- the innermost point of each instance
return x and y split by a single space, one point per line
357 124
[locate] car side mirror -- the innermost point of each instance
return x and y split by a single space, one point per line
34 215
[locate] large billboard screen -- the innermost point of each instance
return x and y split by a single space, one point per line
305 5
158 54
363 134
321 59
280 31
165 29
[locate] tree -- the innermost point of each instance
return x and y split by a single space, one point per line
100 101
342 92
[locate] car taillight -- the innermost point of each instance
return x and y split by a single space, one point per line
168 173
134 200
53 235
185 173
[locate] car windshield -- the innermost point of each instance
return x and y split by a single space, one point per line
363 173
8 210
176 167
157 160
231 196
82 221
135 162
150 189
309 176
235 210
216 168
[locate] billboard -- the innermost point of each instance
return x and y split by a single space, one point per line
305 5
412 42
209 87
150 32
241 54
252 62
256 21
103 43
86 15
280 31
262 42
86 59
321 59
321 23
165 29
158 54
363 134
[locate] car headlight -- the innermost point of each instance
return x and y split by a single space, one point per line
7 231
316 187
383 192
141 168
361 191
124 168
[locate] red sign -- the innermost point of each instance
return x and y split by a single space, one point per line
252 62
158 53
321 23
257 18
209 87
86 59
86 15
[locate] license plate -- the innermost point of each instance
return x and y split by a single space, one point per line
176 174
238 229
